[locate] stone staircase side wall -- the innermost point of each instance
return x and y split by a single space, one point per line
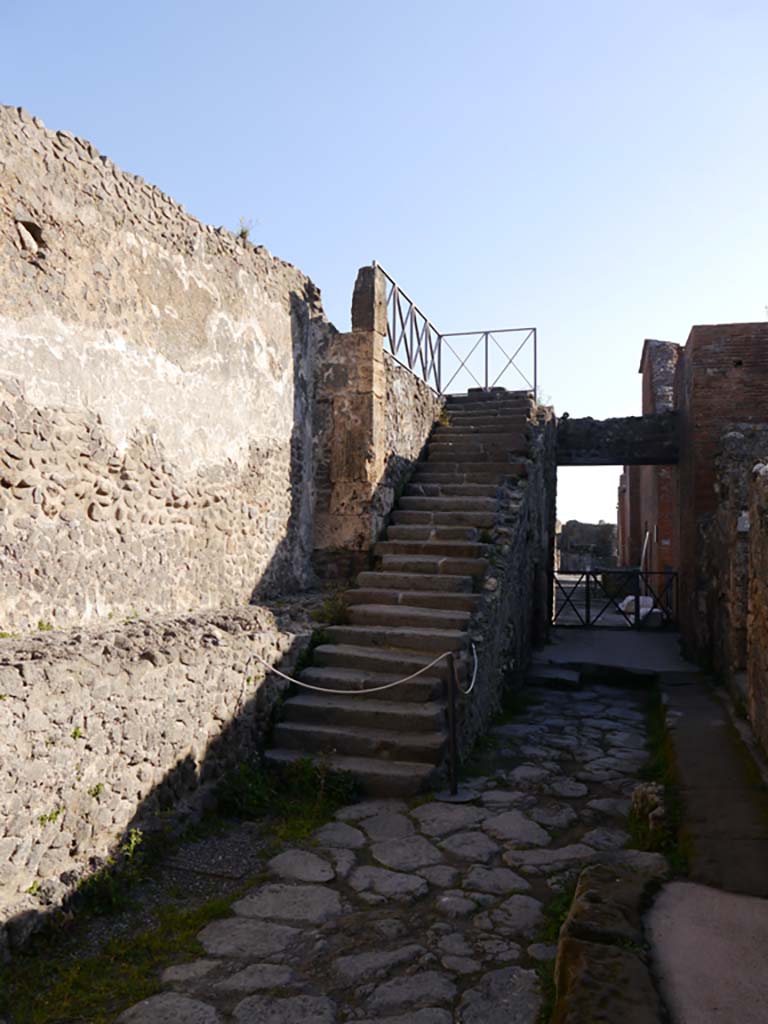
515 610
155 421
102 732
372 420
757 622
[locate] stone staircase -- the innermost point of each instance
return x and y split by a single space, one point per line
416 604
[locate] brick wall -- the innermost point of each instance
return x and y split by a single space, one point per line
757 623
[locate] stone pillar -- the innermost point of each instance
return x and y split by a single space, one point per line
351 396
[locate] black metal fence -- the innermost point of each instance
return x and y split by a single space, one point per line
485 359
615 597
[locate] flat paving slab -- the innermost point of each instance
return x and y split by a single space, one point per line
709 952
639 650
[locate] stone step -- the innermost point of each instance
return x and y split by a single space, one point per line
494 394
445 473
397 663
554 677
430 532
407 615
426 687
489 424
433 548
365 712
485 409
413 598
472 432
481 454
446 489
376 778
422 640
415 581
434 565
355 741
450 503
482 472
413 517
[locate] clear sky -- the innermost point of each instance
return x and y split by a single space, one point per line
598 170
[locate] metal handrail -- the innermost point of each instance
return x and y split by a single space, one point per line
416 344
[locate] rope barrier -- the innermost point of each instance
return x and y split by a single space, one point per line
373 689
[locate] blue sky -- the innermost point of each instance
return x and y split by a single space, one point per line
597 170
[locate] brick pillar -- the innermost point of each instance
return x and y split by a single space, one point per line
350 398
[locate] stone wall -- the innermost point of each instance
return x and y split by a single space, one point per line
106 731
620 441
757 624
585 546
516 607
372 419
156 450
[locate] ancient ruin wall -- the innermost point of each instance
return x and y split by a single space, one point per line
105 731
757 622
155 435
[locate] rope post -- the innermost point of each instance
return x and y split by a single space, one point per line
453 751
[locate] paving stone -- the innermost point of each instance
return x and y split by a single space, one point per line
255 977
606 838
474 846
388 826
442 876
557 816
312 904
522 914
529 773
426 988
170 1008
291 1010
365 966
507 996
461 964
369 808
440 819
301 866
429 1015
406 854
550 859
542 951
612 806
343 861
246 938
338 834
500 950
455 904
454 945
181 973
392 885
493 798
515 827
494 880
568 788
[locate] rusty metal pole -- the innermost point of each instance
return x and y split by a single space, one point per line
453 746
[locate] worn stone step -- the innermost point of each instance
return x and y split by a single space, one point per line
355 741
492 424
433 548
486 409
365 712
429 531
447 489
407 615
439 454
426 687
420 639
480 520
493 394
449 503
472 433
413 598
376 778
415 581
434 565
398 662
444 472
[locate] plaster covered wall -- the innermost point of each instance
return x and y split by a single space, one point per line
757 622
155 416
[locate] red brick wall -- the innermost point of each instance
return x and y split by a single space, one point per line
722 378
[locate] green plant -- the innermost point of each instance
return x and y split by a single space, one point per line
45 819
486 537
96 791
444 419
555 912
5 635
34 888
77 733
306 657
44 627
244 229
334 611
3 696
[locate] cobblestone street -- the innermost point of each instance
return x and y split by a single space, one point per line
429 913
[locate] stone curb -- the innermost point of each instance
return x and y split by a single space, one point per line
602 972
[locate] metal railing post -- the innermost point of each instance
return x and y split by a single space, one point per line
535 366
486 360
637 599
588 609
453 751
